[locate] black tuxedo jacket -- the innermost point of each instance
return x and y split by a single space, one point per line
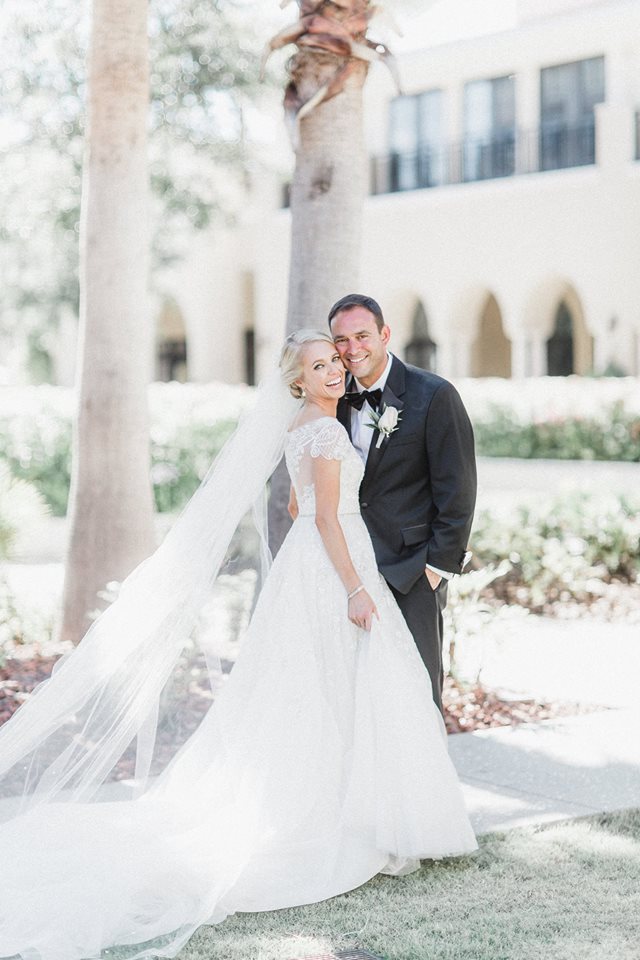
419 487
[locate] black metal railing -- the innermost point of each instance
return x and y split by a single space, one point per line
528 151
562 147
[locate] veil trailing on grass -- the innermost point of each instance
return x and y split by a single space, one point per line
113 708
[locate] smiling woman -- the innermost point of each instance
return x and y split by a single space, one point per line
302 351
321 761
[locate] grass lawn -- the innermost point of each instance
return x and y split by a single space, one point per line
565 891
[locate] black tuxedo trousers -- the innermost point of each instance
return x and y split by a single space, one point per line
422 609
417 499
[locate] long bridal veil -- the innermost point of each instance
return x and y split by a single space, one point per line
108 713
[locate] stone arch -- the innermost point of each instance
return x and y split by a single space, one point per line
171 343
421 350
558 338
491 348
570 345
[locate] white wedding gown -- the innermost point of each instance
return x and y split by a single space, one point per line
323 762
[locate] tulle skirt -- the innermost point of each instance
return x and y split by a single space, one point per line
323 762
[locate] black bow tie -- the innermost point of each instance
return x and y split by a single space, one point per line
357 400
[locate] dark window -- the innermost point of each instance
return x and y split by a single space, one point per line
416 156
421 350
560 344
250 357
489 128
172 360
568 95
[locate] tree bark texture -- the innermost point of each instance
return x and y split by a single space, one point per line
327 198
111 505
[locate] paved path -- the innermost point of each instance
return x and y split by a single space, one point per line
503 481
555 770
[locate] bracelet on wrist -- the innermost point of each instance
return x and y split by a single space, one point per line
353 592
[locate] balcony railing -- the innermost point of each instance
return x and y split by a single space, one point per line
562 147
548 148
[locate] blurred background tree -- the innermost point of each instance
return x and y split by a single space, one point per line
111 516
204 77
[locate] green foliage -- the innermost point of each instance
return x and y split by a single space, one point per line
563 545
21 505
189 425
180 462
614 435
204 64
38 450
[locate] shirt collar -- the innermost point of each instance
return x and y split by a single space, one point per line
381 382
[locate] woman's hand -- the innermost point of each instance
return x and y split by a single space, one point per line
362 610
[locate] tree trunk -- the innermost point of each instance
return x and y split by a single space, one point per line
327 198
111 507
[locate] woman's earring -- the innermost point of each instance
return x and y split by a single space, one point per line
303 393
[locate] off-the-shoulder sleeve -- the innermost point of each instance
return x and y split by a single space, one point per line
330 440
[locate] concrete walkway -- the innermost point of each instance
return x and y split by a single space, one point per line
503 481
555 770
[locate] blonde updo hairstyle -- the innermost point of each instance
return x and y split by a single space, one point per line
291 356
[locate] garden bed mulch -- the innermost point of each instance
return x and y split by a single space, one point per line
611 601
467 707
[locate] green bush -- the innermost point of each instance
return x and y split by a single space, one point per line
564 544
614 436
568 418
179 462
36 447
21 506
189 425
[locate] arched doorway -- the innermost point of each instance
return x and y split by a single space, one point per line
560 344
491 349
421 350
570 346
171 344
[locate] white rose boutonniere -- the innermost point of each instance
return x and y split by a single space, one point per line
385 422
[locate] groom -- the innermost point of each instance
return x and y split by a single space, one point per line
419 487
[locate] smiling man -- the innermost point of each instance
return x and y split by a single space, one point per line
419 487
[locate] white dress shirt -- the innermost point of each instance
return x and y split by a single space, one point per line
362 435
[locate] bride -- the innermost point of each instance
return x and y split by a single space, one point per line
322 761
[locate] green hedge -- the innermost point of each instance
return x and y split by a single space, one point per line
616 436
189 424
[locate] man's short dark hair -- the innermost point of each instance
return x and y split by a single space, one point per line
357 300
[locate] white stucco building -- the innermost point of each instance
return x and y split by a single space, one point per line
502 233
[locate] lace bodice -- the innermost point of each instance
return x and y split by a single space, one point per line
326 438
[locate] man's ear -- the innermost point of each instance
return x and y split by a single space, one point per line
385 334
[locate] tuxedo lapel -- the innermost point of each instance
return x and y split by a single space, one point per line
343 413
391 397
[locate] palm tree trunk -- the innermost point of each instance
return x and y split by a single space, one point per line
327 199
111 508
